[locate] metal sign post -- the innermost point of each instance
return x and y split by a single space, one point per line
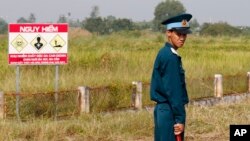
17 91
56 89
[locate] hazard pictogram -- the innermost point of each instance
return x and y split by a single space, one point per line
19 43
38 42
57 42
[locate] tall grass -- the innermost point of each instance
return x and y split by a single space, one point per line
117 60
121 58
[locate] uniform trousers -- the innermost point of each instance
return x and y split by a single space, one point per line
164 123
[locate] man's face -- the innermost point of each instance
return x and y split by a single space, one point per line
176 39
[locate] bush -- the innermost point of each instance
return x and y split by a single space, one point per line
218 29
3 26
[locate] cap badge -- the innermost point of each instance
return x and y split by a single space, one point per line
184 23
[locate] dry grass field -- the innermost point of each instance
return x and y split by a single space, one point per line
203 123
118 59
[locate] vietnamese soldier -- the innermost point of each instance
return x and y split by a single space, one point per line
168 87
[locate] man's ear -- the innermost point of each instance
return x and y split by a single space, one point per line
168 33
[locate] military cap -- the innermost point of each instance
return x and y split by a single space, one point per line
179 23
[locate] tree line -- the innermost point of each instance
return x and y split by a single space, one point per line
107 25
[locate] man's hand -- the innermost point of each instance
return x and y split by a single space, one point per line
178 128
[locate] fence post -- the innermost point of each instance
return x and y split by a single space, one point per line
2 105
218 87
83 98
137 100
248 78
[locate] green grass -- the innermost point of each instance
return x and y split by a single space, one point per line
115 61
118 59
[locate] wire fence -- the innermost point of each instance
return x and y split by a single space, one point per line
235 84
107 98
110 98
42 105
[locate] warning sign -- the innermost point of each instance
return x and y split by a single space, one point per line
57 42
38 44
19 43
